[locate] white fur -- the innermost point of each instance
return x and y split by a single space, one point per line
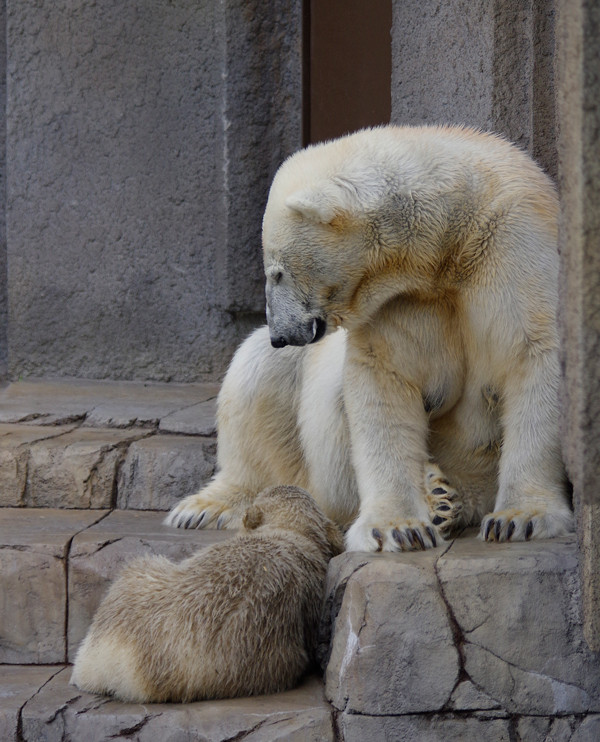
435 250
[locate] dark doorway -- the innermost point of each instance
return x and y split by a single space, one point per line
348 66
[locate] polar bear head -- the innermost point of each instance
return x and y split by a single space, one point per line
316 238
348 225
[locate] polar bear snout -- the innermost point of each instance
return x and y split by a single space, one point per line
309 332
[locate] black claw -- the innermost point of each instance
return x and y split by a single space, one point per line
510 530
439 491
409 535
201 519
187 522
220 522
376 533
437 520
397 536
419 538
431 535
488 528
497 530
443 508
529 530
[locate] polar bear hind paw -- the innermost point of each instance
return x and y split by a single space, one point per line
520 524
197 511
444 502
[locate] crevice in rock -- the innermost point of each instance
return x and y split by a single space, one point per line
67 558
329 613
132 731
122 451
457 632
19 733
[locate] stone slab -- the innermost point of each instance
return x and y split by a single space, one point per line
77 469
33 550
501 619
60 711
19 683
15 441
200 419
517 609
101 403
159 471
392 647
97 554
425 728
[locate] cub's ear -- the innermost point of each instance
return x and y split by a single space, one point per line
253 518
326 201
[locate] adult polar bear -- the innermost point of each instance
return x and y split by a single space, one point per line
434 248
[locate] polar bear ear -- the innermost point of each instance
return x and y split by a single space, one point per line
325 202
253 518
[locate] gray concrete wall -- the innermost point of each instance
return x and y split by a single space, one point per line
479 63
3 286
141 140
579 158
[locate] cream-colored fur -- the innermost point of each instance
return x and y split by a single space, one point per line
433 250
238 618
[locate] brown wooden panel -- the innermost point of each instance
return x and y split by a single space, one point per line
349 67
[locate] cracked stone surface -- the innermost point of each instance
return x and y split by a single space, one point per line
469 627
382 642
161 470
18 684
97 554
517 606
15 442
60 711
33 551
102 403
77 469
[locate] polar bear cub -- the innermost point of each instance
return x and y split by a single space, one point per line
238 618
411 284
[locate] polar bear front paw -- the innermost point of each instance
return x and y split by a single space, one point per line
520 524
404 535
199 511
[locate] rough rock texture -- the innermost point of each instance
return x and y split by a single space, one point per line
98 553
381 638
34 548
107 404
578 61
60 711
481 63
159 471
497 626
18 684
129 462
77 469
141 140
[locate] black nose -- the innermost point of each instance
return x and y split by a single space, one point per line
279 342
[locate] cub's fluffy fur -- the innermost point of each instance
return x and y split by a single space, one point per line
435 250
238 618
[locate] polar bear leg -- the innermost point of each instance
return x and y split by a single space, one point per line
258 443
531 500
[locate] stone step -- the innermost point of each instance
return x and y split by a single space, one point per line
468 641
96 444
55 565
37 704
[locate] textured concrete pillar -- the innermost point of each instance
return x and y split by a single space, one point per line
3 296
579 111
141 139
485 64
